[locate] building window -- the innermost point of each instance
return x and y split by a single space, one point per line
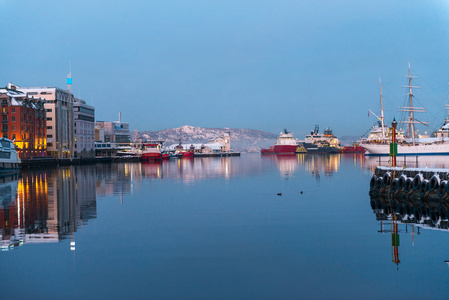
49 110
13 118
13 109
49 136
49 127
13 127
49 144
49 119
4 102
13 136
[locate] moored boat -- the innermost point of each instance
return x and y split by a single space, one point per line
353 149
9 159
151 151
327 142
438 145
286 144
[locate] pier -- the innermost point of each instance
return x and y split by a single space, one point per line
49 161
410 183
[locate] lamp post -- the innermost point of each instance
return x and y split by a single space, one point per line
393 145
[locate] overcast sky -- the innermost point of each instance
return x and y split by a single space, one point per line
264 65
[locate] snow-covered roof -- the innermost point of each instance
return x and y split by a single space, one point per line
12 93
213 146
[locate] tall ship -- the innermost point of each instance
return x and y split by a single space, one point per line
286 144
327 142
9 159
378 142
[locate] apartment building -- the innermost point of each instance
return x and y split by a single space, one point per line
24 122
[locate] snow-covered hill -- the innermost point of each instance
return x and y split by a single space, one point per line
243 140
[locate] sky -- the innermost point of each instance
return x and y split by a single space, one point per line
264 65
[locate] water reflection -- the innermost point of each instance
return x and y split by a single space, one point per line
315 165
121 178
425 161
46 206
409 215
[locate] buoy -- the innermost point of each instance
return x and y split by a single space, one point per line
417 214
386 179
417 181
372 182
394 186
379 186
424 187
401 182
408 187
434 216
408 210
279 194
443 189
434 182
443 213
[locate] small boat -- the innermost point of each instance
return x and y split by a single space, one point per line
286 144
180 152
9 159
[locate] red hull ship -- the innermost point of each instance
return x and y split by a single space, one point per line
151 152
280 149
353 149
286 144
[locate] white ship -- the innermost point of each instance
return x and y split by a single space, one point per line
9 159
379 143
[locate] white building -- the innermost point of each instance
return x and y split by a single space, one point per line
84 118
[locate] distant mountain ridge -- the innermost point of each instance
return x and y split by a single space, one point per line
243 140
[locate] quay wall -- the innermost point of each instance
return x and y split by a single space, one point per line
49 162
410 184
416 195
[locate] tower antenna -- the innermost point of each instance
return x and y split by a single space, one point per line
69 78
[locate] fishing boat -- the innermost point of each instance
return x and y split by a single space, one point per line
181 152
286 144
438 145
9 159
151 151
315 142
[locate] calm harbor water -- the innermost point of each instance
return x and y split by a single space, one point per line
213 228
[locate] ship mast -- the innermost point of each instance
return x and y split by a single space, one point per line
410 94
411 120
382 111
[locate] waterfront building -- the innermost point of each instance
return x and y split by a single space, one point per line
219 145
225 142
106 149
24 122
84 119
116 132
59 114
